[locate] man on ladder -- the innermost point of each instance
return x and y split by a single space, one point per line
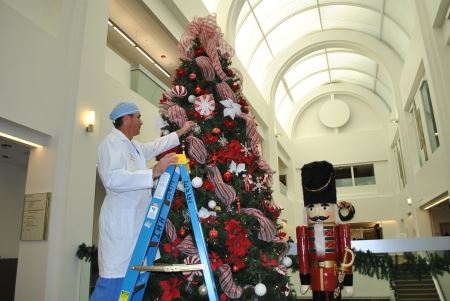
128 182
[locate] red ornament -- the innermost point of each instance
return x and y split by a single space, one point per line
213 233
199 51
227 176
216 131
198 90
192 76
180 72
229 72
235 87
245 110
182 231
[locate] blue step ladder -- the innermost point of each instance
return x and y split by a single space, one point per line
142 260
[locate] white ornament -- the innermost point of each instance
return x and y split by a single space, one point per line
202 290
260 289
287 261
197 182
212 204
191 98
180 186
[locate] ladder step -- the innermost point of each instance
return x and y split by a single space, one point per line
170 268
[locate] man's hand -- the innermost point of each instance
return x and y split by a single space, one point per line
187 126
162 165
304 289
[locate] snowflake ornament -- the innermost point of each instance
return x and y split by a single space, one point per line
222 141
245 149
259 185
197 129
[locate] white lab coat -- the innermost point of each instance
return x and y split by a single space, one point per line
128 182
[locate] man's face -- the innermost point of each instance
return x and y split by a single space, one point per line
320 213
134 123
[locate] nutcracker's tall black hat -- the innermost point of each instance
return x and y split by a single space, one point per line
318 183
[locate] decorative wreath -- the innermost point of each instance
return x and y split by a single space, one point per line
346 206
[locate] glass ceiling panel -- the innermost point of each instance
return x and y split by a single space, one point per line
309 84
305 68
284 110
384 94
351 60
247 39
351 17
354 77
401 11
395 37
292 29
245 11
279 95
257 67
285 100
376 5
270 13
383 77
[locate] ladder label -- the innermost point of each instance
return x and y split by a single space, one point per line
124 295
162 184
153 211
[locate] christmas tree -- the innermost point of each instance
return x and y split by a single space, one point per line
231 180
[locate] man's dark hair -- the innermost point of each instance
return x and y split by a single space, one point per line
119 121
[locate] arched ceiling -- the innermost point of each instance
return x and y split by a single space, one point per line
266 29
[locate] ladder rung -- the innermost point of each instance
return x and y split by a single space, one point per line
170 268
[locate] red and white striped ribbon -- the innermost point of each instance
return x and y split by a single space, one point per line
224 91
229 287
252 134
224 192
187 246
206 68
170 230
177 115
269 172
267 231
197 149
211 39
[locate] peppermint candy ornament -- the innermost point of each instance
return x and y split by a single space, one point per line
179 91
191 274
204 105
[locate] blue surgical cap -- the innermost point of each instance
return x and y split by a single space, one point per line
122 109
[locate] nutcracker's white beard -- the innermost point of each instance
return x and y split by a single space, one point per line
319 240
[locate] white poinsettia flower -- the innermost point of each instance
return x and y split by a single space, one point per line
231 108
237 168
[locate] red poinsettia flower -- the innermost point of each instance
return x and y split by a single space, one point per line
172 247
170 289
237 262
267 261
215 260
210 138
229 123
238 246
208 185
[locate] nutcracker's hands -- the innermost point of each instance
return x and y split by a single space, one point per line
304 289
349 290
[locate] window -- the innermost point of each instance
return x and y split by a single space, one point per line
423 123
399 156
282 176
433 137
354 175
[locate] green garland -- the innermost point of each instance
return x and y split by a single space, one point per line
391 267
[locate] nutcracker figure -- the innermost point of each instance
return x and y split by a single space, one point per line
324 250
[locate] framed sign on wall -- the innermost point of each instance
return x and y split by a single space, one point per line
35 216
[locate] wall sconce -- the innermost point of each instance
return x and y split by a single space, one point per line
409 201
90 121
